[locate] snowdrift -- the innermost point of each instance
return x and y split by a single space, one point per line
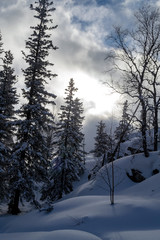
86 213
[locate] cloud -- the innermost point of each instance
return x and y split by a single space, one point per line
83 27
7 3
15 19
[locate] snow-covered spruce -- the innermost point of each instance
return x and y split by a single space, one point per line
69 158
101 143
29 159
8 100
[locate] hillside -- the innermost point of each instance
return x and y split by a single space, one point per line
86 213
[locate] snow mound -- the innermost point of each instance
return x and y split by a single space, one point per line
148 188
132 235
99 185
86 213
57 235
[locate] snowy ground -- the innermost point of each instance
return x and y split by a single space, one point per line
86 213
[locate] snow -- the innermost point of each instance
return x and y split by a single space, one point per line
59 234
86 213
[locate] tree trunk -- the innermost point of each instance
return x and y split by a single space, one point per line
144 129
62 184
104 159
156 129
14 203
112 187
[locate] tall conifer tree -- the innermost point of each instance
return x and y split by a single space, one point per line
68 164
124 129
100 146
30 156
124 124
8 100
3 152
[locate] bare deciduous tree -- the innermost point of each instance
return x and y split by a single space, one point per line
136 55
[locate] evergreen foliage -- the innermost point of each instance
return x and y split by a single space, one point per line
124 124
124 128
30 163
100 146
2 133
8 100
68 162
50 138
1 47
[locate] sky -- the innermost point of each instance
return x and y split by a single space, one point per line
81 36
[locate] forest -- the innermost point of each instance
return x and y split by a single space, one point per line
44 156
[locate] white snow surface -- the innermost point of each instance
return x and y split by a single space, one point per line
86 213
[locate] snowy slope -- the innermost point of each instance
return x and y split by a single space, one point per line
86 213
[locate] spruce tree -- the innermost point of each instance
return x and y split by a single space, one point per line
100 146
68 163
1 47
8 100
78 136
124 128
3 126
124 124
30 163
49 135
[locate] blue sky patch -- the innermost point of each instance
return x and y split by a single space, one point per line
84 2
104 2
83 24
